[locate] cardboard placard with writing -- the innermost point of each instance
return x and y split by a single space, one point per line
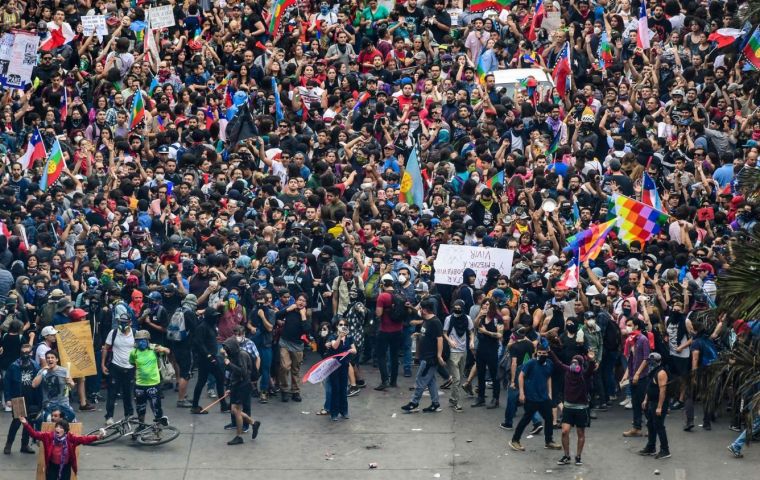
18 405
161 17
75 428
75 347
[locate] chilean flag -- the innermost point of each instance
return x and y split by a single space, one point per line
569 279
35 150
724 37
64 105
57 36
642 40
562 70
649 193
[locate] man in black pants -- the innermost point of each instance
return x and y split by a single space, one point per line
18 383
115 363
390 336
535 393
204 341
656 406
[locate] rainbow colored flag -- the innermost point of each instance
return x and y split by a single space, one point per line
53 168
138 111
412 187
498 178
481 70
635 220
482 5
588 243
752 49
278 11
605 51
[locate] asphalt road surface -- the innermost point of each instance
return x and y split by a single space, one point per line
294 443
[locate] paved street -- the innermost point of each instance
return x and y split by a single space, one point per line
294 443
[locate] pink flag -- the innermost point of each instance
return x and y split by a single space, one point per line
322 369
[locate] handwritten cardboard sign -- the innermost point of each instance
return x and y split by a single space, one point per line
452 260
161 17
75 347
18 405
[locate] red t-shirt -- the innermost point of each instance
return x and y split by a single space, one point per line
385 300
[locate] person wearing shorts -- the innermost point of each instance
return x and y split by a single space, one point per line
182 351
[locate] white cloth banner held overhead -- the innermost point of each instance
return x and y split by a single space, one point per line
161 17
453 259
22 61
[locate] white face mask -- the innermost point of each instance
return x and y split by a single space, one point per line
213 283
597 30
240 339
402 279
323 333
159 176
591 324
629 330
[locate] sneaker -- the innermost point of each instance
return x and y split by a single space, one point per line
353 391
478 403
225 408
345 417
410 407
537 429
458 408
634 432
212 394
230 426
283 397
600 408
263 398
628 405
407 373
578 461
565 460
87 407
735 451
516 446
361 383
7 408
552 446
28 450
382 386
677 405
184 403
255 429
434 407
109 421
494 403
236 441
646 452
7 449
468 389
592 415
452 402
735 428
296 397
198 411
505 426
447 384
688 428
625 401
662 454
707 427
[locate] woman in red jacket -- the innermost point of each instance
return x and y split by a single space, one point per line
60 448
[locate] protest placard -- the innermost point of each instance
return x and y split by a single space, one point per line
18 60
94 24
18 405
75 348
161 17
453 259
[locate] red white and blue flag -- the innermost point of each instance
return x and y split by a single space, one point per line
538 18
643 36
64 105
649 193
561 72
569 279
57 36
35 150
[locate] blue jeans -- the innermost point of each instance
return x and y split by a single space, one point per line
425 380
265 369
738 444
513 395
66 411
328 394
407 345
339 392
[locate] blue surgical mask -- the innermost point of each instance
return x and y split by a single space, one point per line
142 344
324 10
291 263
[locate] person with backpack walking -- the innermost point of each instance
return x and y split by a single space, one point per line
115 363
239 365
656 406
390 311
459 334
703 354
430 354
178 335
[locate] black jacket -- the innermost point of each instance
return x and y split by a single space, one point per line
204 336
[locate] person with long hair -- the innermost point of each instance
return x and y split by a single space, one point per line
489 328
60 448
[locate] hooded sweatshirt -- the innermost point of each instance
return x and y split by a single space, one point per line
240 364
577 384
465 290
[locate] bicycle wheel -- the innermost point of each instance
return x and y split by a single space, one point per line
157 435
113 432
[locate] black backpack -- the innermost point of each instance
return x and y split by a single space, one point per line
611 340
398 307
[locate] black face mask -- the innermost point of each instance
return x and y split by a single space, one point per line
571 328
456 311
541 359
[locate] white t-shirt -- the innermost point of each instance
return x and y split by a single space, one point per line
123 343
40 353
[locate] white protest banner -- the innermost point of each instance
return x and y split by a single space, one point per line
161 17
6 43
551 21
22 61
94 24
453 259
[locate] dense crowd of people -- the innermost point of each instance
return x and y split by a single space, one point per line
266 184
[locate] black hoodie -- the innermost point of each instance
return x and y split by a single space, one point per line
240 364
204 336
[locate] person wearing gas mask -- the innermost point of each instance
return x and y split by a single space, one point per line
155 318
144 359
118 345
261 321
18 383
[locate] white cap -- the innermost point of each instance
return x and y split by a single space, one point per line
592 291
387 278
48 331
